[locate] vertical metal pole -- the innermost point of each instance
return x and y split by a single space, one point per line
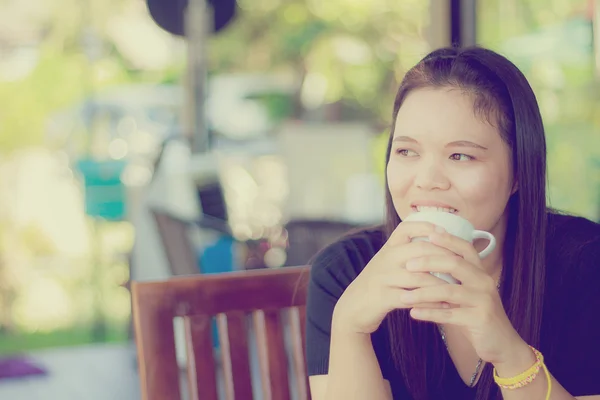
198 25
463 29
596 33
469 22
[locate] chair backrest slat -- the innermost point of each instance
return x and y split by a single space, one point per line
231 298
296 322
235 355
302 321
201 372
272 357
158 370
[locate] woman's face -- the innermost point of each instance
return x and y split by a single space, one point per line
445 157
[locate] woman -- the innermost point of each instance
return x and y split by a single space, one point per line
467 138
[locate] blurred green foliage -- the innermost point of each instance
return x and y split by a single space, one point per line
551 42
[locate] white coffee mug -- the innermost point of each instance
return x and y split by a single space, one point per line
457 226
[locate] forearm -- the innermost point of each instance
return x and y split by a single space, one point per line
538 389
354 372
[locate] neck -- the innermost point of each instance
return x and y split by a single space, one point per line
493 264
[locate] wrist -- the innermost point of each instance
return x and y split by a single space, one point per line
519 358
342 334
340 325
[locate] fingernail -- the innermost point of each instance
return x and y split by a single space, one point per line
416 312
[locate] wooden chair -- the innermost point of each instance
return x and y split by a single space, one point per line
264 295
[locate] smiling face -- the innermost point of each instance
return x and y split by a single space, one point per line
445 157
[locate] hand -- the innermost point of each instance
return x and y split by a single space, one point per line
378 289
475 304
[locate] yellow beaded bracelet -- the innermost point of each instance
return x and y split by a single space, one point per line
526 377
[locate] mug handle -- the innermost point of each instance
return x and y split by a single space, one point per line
485 235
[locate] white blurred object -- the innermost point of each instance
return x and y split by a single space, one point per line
321 161
239 92
171 190
365 201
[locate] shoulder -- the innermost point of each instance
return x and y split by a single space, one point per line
573 242
571 229
572 302
572 234
343 260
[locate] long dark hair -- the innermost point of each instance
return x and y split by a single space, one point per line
503 96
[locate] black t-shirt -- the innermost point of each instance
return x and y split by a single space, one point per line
570 338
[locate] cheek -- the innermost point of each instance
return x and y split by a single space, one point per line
399 183
398 178
483 185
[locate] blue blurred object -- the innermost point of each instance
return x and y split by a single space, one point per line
218 257
215 258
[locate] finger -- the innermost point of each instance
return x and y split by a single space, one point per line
399 255
434 306
392 298
457 245
403 279
406 231
460 269
452 294
447 316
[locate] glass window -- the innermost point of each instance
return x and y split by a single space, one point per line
552 43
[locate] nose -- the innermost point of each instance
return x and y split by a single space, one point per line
430 175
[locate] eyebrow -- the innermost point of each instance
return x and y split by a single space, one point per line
458 143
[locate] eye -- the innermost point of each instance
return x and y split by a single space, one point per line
461 157
406 153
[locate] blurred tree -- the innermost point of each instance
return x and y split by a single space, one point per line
54 54
339 51
71 53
